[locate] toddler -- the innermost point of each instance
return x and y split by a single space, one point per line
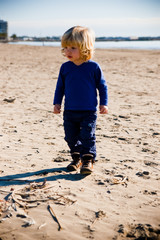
78 81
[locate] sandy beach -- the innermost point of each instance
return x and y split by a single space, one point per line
39 198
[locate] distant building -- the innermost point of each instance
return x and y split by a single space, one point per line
3 30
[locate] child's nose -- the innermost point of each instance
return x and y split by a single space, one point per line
69 49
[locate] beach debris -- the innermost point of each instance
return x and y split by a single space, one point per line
119 179
13 205
28 222
23 205
27 198
3 206
50 209
62 200
42 225
5 212
36 186
16 202
99 215
30 196
9 100
21 215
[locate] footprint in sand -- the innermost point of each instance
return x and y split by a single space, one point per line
139 231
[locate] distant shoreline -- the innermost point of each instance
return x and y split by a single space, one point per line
97 40
140 45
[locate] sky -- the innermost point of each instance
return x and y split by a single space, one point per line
106 17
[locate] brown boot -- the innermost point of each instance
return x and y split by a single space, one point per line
76 163
87 164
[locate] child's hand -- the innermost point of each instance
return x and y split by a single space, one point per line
103 109
57 108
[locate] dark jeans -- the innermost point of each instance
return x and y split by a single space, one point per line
79 127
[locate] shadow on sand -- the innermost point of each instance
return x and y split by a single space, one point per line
58 173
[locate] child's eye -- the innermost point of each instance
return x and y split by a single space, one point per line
73 48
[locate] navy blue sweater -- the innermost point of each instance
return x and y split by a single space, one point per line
79 85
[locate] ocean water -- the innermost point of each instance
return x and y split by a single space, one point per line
141 45
146 45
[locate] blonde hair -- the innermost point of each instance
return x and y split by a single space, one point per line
80 37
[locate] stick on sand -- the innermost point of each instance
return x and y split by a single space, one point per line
50 209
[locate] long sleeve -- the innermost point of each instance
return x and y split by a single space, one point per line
59 92
102 87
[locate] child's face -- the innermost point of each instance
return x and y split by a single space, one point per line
73 54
